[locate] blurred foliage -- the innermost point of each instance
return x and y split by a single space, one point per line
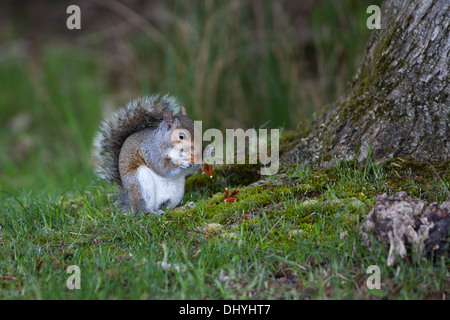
231 63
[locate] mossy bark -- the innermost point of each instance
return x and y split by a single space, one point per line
398 102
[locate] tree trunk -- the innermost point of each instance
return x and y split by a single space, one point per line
398 102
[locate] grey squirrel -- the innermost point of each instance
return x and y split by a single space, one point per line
147 148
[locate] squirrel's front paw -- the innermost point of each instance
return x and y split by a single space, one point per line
184 164
183 160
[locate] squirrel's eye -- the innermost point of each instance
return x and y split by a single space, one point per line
181 136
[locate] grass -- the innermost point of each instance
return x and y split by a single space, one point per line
294 239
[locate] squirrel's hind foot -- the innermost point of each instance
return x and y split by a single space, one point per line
155 213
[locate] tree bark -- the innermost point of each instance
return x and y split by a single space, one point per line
397 104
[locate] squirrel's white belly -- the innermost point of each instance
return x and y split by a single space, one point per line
157 190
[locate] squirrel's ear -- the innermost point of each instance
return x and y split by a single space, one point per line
168 118
183 111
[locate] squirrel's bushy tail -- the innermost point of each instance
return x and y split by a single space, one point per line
136 115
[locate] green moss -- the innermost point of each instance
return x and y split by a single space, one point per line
366 92
203 184
223 176
290 139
